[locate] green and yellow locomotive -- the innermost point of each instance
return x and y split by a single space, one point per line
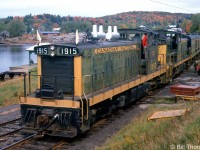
78 84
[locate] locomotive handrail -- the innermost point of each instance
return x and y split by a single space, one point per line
29 74
85 94
24 85
162 56
81 109
29 79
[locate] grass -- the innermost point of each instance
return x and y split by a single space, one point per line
12 89
142 134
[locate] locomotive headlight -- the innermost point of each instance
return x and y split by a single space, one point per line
52 47
52 53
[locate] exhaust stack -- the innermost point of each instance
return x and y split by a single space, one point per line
94 31
100 34
112 35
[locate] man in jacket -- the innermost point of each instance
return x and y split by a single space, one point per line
145 44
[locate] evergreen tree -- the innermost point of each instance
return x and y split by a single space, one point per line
16 28
195 23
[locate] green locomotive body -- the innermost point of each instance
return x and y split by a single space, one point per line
77 84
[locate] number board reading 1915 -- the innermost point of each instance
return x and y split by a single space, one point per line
68 51
41 50
58 50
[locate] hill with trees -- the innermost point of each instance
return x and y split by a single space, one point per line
16 26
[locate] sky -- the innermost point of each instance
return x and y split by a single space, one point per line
93 8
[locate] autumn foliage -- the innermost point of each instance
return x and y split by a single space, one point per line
133 19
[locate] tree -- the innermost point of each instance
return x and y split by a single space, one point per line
2 26
28 20
71 26
29 29
195 23
8 19
16 28
186 25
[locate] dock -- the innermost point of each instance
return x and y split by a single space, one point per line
16 71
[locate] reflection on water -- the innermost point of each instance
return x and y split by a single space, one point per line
14 55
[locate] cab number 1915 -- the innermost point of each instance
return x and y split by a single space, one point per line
68 51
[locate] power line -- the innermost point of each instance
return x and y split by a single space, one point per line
172 6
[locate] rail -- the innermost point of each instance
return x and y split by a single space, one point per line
10 129
57 145
23 141
11 132
10 121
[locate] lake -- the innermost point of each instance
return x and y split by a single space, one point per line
14 55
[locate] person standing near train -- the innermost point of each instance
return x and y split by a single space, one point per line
195 66
198 69
145 44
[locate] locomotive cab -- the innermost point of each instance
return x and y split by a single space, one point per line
55 105
148 52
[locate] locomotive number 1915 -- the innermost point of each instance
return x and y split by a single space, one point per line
68 51
58 50
42 51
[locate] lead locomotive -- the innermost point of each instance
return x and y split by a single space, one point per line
77 84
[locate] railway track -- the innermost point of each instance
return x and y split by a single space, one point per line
50 143
9 131
82 140
33 142
20 141
12 138
10 127
9 121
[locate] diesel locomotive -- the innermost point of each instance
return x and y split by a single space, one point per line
79 83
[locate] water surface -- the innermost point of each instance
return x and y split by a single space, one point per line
14 55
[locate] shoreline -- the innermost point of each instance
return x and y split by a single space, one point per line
16 43
31 39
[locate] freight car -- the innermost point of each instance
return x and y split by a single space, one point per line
79 83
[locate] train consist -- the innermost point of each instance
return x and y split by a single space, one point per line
79 83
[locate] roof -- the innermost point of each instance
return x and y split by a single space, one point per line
89 45
136 31
56 29
32 47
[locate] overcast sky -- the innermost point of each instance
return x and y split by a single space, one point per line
93 8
